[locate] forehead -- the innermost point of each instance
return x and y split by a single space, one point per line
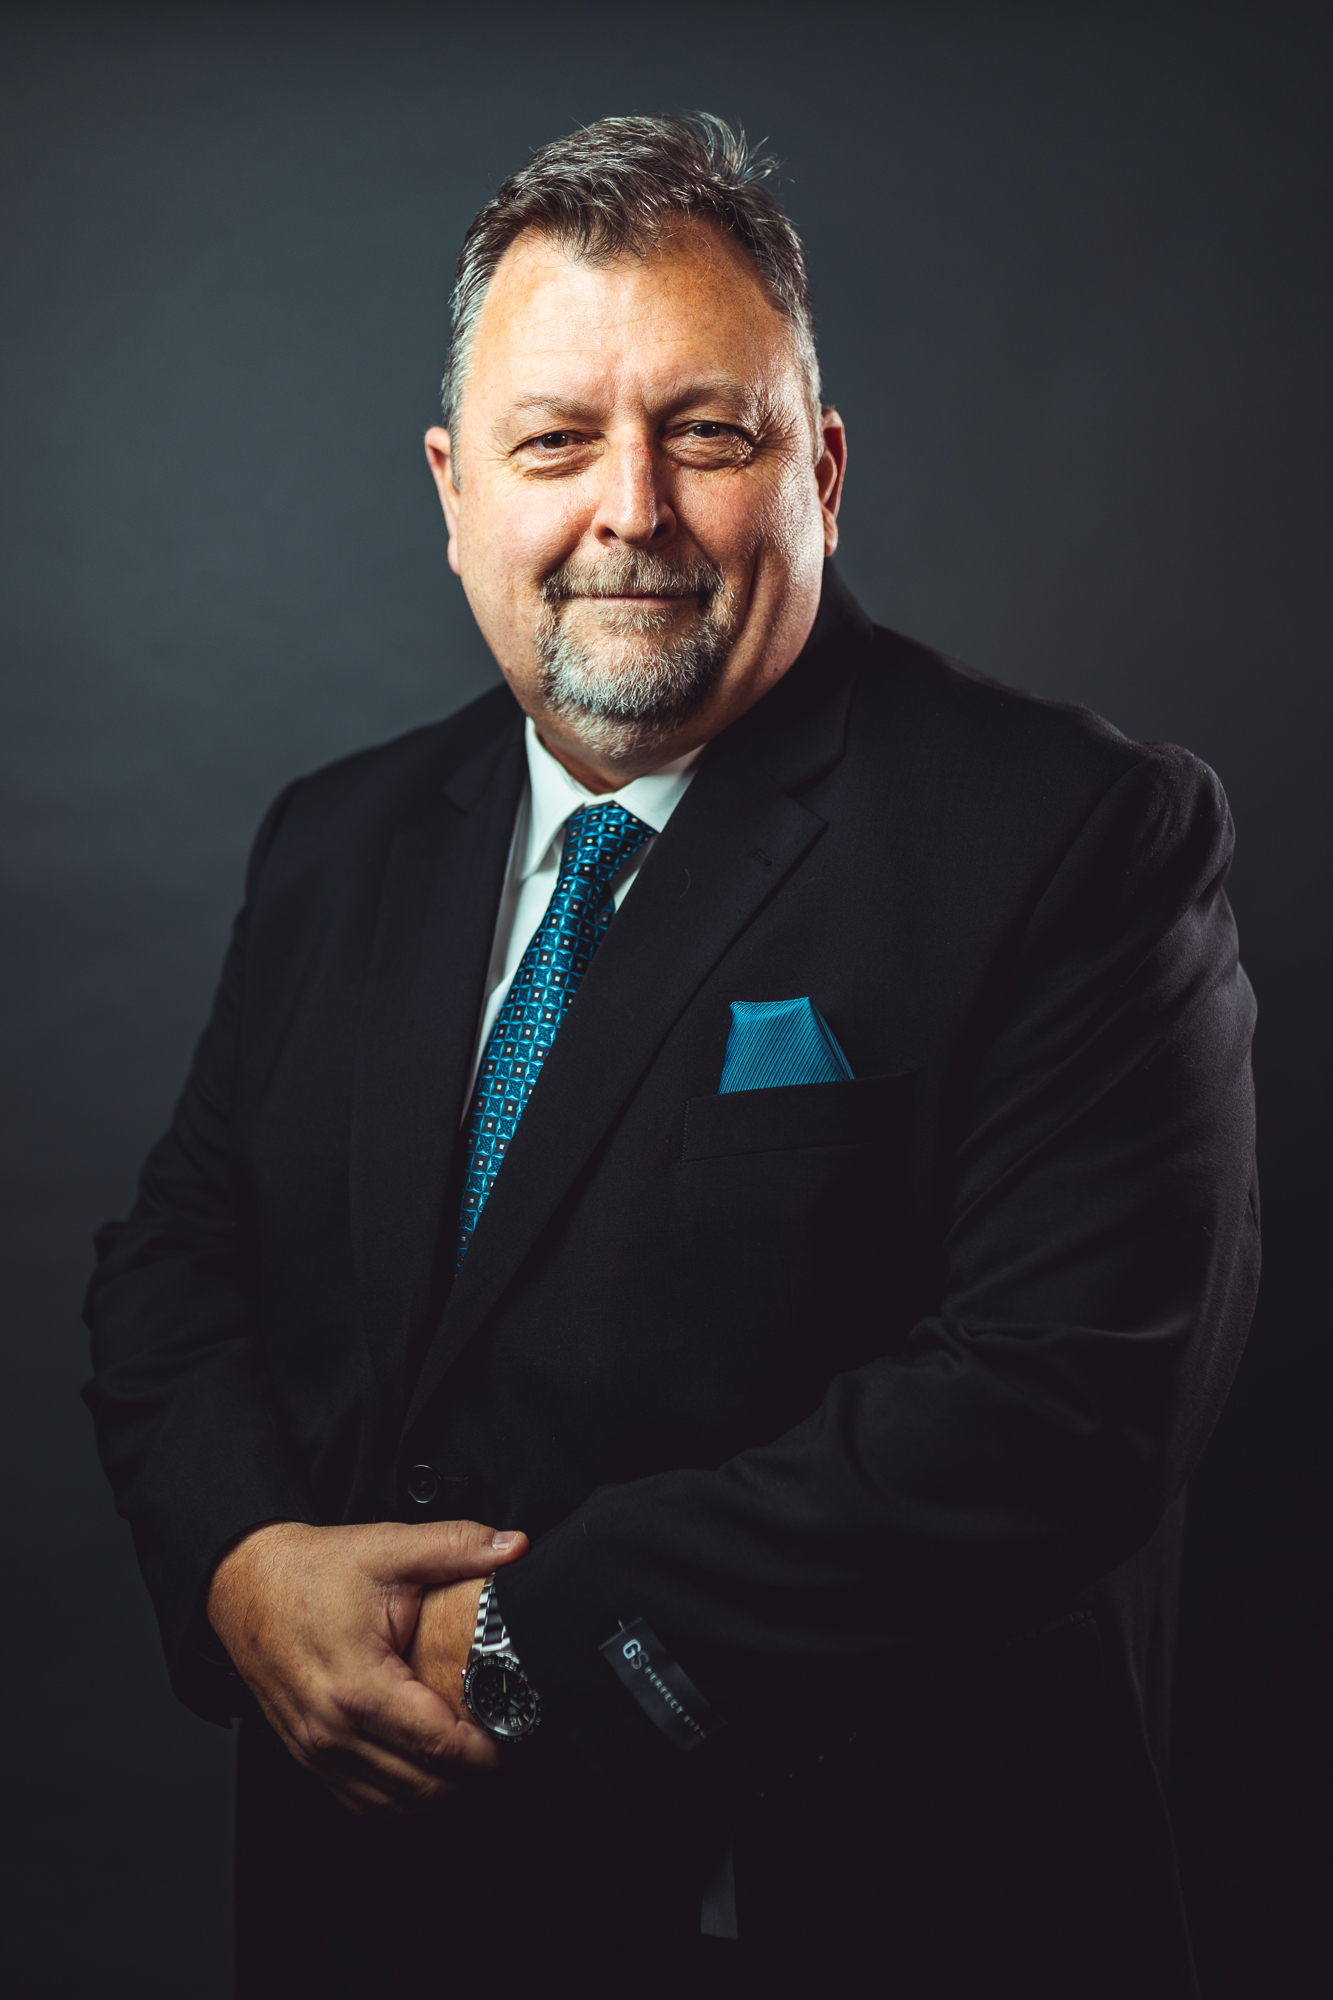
556 324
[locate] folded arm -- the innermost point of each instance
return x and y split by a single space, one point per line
321 1623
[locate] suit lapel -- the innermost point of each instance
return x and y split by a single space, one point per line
726 851
436 919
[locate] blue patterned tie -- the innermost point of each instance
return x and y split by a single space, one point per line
599 841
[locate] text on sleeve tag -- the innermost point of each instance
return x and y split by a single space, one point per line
661 1686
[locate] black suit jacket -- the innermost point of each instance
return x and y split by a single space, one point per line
875 1399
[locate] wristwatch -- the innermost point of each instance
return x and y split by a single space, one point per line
498 1693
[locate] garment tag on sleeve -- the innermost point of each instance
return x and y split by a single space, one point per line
661 1686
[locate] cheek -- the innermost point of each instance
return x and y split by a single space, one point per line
799 525
794 527
775 541
510 540
741 520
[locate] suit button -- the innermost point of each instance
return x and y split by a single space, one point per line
422 1485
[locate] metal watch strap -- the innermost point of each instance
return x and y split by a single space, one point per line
490 1635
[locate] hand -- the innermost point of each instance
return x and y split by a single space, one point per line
443 1640
317 1621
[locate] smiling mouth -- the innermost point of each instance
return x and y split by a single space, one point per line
632 580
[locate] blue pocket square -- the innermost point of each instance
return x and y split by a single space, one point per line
780 1041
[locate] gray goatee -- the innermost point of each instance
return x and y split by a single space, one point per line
636 683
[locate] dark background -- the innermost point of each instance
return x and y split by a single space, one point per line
1071 274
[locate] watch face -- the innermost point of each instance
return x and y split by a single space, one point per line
502 1698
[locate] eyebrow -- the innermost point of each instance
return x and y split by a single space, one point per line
570 410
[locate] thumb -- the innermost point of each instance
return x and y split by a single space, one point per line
434 1552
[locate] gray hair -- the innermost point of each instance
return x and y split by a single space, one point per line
613 189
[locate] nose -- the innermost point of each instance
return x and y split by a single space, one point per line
632 506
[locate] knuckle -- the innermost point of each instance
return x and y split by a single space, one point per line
320 1738
348 1699
432 1746
467 1534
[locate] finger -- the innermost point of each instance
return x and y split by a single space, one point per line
369 1774
368 1800
386 1729
443 1551
359 1797
438 1743
368 1778
406 1718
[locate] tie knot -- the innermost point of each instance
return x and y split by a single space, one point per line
599 840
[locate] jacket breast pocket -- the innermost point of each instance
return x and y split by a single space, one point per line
792 1205
869 1111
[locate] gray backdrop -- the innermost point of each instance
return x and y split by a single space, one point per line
1073 300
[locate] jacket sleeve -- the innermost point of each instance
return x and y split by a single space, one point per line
1099 1241
185 1426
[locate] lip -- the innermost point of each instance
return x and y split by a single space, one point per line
641 597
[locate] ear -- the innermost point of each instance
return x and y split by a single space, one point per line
830 470
440 455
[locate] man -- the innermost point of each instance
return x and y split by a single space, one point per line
757 1113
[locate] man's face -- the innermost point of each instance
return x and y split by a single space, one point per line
641 509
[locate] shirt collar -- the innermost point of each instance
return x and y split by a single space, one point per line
554 795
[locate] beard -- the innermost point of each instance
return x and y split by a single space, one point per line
633 685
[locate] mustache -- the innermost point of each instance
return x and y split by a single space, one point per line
634 573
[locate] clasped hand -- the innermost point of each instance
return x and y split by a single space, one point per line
353 1642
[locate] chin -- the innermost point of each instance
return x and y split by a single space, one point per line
616 741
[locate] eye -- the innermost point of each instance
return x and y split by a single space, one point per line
706 444
554 440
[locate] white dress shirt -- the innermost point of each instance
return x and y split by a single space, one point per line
534 858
